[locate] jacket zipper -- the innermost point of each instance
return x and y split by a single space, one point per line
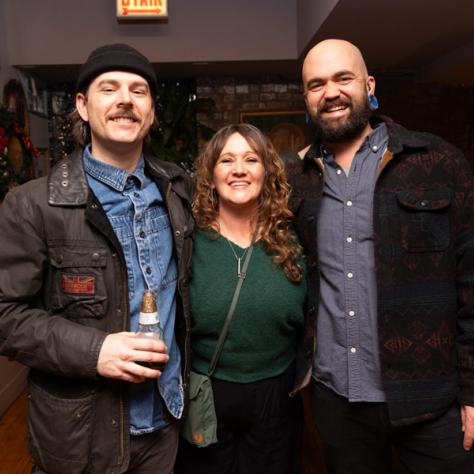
171 217
125 311
319 163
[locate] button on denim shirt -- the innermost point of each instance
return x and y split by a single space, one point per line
136 211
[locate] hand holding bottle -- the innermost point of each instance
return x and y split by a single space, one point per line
135 357
122 356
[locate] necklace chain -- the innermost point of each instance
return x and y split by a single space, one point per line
239 259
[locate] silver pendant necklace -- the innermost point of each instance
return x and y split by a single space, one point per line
239 259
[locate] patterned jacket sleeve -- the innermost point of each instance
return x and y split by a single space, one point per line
464 231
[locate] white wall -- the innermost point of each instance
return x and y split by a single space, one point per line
311 15
65 31
7 72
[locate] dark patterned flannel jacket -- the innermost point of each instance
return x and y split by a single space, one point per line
424 256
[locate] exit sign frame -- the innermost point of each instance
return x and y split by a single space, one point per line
142 10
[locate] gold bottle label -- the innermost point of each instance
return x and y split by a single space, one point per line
148 309
148 302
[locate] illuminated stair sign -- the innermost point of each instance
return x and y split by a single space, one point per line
142 9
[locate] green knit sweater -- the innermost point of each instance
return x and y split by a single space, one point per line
268 319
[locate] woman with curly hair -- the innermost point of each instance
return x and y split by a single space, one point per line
241 201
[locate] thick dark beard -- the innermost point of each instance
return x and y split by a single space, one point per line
340 132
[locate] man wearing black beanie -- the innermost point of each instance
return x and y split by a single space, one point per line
79 250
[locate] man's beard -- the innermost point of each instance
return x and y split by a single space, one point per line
345 129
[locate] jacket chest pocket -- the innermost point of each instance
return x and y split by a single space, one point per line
425 220
77 282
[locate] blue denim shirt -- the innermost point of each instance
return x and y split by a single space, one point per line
347 358
136 211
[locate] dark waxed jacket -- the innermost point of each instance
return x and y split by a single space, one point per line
55 227
423 220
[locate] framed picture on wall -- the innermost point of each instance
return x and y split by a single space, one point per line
36 94
287 129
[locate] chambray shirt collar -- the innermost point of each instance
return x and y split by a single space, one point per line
116 178
373 140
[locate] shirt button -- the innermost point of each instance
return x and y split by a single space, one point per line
350 275
353 350
349 203
349 239
148 270
352 313
142 234
95 256
375 148
338 171
177 233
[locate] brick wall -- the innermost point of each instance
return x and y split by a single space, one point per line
441 109
232 97
445 110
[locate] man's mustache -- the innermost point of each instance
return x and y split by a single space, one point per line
125 114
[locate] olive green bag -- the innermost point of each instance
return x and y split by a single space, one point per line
200 423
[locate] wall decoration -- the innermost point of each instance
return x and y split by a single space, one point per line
286 129
36 94
16 153
15 101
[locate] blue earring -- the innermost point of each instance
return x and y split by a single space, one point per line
374 103
307 118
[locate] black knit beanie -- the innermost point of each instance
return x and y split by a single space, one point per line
115 57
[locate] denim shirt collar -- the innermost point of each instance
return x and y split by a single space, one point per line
378 136
116 178
375 140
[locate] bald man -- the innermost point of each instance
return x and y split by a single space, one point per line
386 216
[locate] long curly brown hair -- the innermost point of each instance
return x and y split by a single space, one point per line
274 219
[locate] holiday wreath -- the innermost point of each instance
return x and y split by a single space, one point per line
16 153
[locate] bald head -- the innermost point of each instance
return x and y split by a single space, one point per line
337 89
332 56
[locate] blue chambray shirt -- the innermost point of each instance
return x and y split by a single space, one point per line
347 358
136 211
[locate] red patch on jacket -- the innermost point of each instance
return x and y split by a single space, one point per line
78 284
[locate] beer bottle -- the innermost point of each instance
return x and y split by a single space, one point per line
149 323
